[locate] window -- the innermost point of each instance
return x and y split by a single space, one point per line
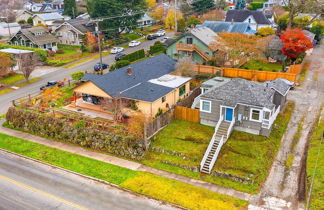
249 20
189 40
205 106
204 90
182 90
163 99
266 115
255 115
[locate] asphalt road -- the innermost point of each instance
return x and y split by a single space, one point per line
61 73
25 184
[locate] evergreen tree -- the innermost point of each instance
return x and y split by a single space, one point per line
70 8
240 4
202 6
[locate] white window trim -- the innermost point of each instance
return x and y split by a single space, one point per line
260 115
201 106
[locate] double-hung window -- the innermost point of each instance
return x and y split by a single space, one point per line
205 106
255 115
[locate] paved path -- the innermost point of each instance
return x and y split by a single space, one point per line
26 184
125 163
282 187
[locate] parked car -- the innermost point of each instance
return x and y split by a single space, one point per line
119 56
96 67
164 39
160 33
151 36
134 43
50 84
116 50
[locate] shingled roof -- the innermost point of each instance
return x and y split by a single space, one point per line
244 92
242 15
232 27
44 38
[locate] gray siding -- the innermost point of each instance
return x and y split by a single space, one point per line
278 99
213 117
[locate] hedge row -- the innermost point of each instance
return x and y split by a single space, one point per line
77 133
156 48
42 54
134 56
256 5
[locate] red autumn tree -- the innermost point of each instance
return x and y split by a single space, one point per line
295 43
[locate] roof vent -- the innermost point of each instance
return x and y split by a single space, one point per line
129 71
166 78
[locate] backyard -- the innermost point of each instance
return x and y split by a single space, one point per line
180 146
262 66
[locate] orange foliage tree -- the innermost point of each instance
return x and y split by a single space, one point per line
157 13
213 15
92 42
295 43
51 95
5 64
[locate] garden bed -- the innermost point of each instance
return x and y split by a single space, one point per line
243 163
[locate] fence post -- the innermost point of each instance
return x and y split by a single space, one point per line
145 136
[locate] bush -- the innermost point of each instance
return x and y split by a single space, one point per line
256 5
266 31
30 21
157 47
119 64
22 22
59 51
134 56
41 53
78 75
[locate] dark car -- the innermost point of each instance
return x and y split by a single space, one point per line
50 84
151 37
97 66
119 56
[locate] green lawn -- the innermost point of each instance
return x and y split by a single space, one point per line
144 183
317 196
131 36
12 79
244 154
262 66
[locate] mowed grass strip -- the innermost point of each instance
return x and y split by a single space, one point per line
144 183
12 79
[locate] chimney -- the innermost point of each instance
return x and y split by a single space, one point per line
129 71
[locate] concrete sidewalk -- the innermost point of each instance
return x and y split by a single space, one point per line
126 163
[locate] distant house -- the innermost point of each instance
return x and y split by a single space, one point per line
148 84
72 31
146 20
243 105
85 16
232 27
47 19
23 15
255 19
58 5
196 44
37 37
7 29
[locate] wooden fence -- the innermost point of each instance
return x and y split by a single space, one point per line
295 69
202 69
158 123
186 102
187 114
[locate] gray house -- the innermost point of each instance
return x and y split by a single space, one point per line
241 105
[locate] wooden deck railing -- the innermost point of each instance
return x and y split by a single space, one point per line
191 48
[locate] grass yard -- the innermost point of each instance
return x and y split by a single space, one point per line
243 155
316 147
262 66
12 79
131 36
144 183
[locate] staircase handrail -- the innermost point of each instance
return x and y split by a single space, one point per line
229 130
211 165
267 123
211 143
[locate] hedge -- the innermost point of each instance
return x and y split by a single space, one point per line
256 5
157 47
42 54
134 56
119 64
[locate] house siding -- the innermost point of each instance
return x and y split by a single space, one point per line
67 35
279 99
212 118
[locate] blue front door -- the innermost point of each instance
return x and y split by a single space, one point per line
228 114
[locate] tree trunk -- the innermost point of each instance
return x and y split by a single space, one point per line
291 18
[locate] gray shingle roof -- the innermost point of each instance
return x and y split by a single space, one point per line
50 16
242 91
241 15
119 83
221 26
82 25
279 85
45 38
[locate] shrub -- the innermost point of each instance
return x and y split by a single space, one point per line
256 5
78 75
119 64
59 51
266 31
157 47
135 56
30 21
159 112
22 22
80 124
41 53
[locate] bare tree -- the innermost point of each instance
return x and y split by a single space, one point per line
185 67
26 64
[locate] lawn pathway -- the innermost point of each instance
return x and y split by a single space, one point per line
282 187
125 163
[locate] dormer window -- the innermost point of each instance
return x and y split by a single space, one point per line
249 20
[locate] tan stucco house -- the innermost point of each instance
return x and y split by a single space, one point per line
23 16
148 83
47 19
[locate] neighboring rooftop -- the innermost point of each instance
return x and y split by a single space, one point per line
82 25
232 27
242 15
215 82
15 51
11 25
43 38
280 85
171 81
50 16
204 34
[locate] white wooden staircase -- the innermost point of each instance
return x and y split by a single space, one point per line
223 130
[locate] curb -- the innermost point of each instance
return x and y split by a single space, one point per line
93 179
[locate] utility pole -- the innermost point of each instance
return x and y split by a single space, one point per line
99 44
175 16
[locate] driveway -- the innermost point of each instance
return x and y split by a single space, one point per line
61 73
284 187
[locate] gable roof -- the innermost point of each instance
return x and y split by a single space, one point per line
232 27
244 92
29 33
136 86
279 85
241 15
50 16
204 34
81 25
